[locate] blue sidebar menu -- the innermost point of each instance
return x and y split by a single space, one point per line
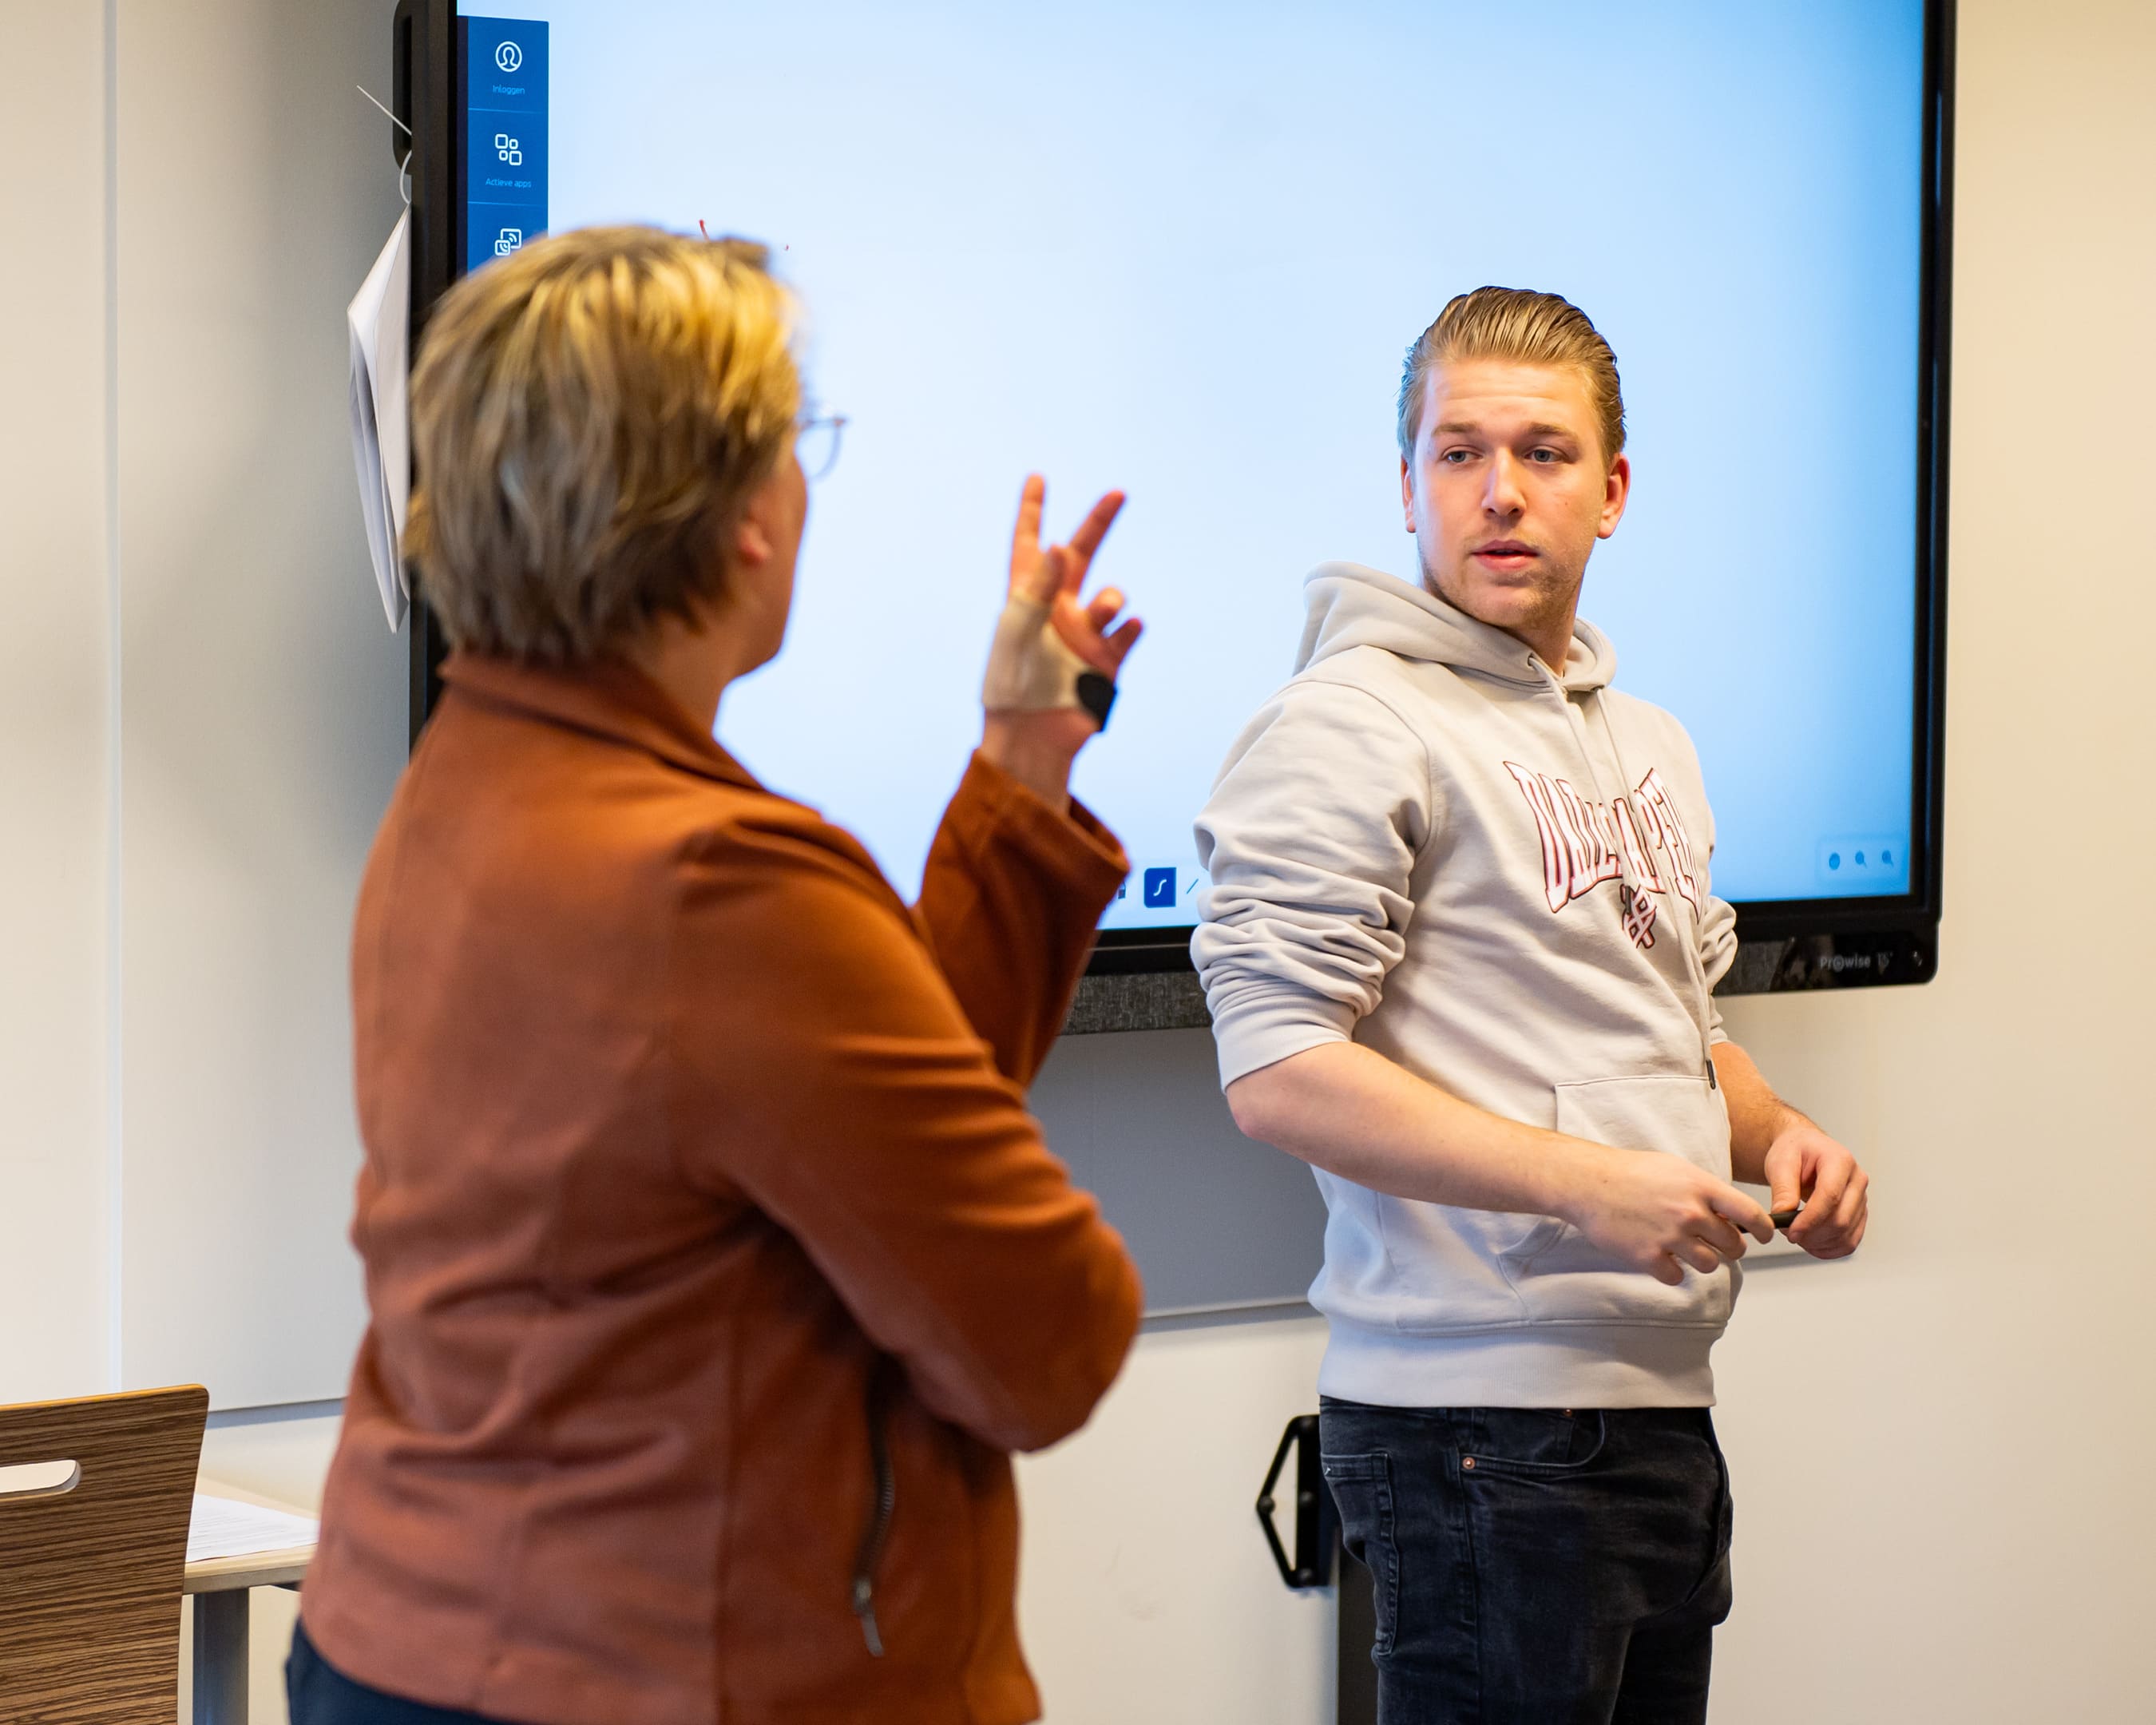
505 135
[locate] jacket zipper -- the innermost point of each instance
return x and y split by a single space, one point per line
884 1485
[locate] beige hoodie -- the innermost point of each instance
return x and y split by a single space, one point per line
1497 877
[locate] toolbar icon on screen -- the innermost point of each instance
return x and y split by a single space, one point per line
509 240
509 56
1159 889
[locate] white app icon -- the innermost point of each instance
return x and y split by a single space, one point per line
509 149
509 56
508 240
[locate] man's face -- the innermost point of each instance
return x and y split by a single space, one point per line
1507 493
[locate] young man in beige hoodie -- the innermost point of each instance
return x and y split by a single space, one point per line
1459 949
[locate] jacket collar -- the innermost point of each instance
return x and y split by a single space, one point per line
607 698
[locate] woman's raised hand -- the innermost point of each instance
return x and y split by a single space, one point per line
1056 655
1055 576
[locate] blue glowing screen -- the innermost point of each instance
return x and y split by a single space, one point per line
1180 249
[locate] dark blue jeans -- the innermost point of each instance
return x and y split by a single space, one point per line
1535 1567
318 1693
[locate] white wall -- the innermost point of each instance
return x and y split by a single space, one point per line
1944 1513
201 710
55 734
262 697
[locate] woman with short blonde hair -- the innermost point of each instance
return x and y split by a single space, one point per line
589 416
714 1265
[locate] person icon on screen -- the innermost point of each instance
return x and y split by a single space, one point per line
1461 949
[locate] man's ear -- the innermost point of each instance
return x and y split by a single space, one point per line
1615 490
1407 493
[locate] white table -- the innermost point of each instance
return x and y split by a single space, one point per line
220 1586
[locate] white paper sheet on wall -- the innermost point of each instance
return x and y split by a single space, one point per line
379 318
225 1527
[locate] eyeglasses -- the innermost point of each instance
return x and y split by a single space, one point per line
816 444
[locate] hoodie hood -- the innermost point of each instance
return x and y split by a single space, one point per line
1351 606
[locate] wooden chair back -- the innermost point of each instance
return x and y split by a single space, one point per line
91 1567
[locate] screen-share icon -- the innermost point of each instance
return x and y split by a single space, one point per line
509 56
509 240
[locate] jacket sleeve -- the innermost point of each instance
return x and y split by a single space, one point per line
1010 902
1310 838
825 1073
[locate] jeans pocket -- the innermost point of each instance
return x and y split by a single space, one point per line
1712 1594
1726 1510
1363 1491
1542 1442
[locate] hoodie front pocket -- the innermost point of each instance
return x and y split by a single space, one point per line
1444 1268
1559 1274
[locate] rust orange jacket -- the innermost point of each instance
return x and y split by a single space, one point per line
713 1262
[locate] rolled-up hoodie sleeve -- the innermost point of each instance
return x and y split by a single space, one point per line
1310 838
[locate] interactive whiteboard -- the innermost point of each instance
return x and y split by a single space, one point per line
1181 249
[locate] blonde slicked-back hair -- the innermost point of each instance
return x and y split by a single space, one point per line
589 416
1522 327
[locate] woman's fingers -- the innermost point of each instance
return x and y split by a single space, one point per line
1081 628
1091 530
1034 575
1059 569
1088 630
1104 607
1056 574
1025 537
1119 642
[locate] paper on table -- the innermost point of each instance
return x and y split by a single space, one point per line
379 319
225 1527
